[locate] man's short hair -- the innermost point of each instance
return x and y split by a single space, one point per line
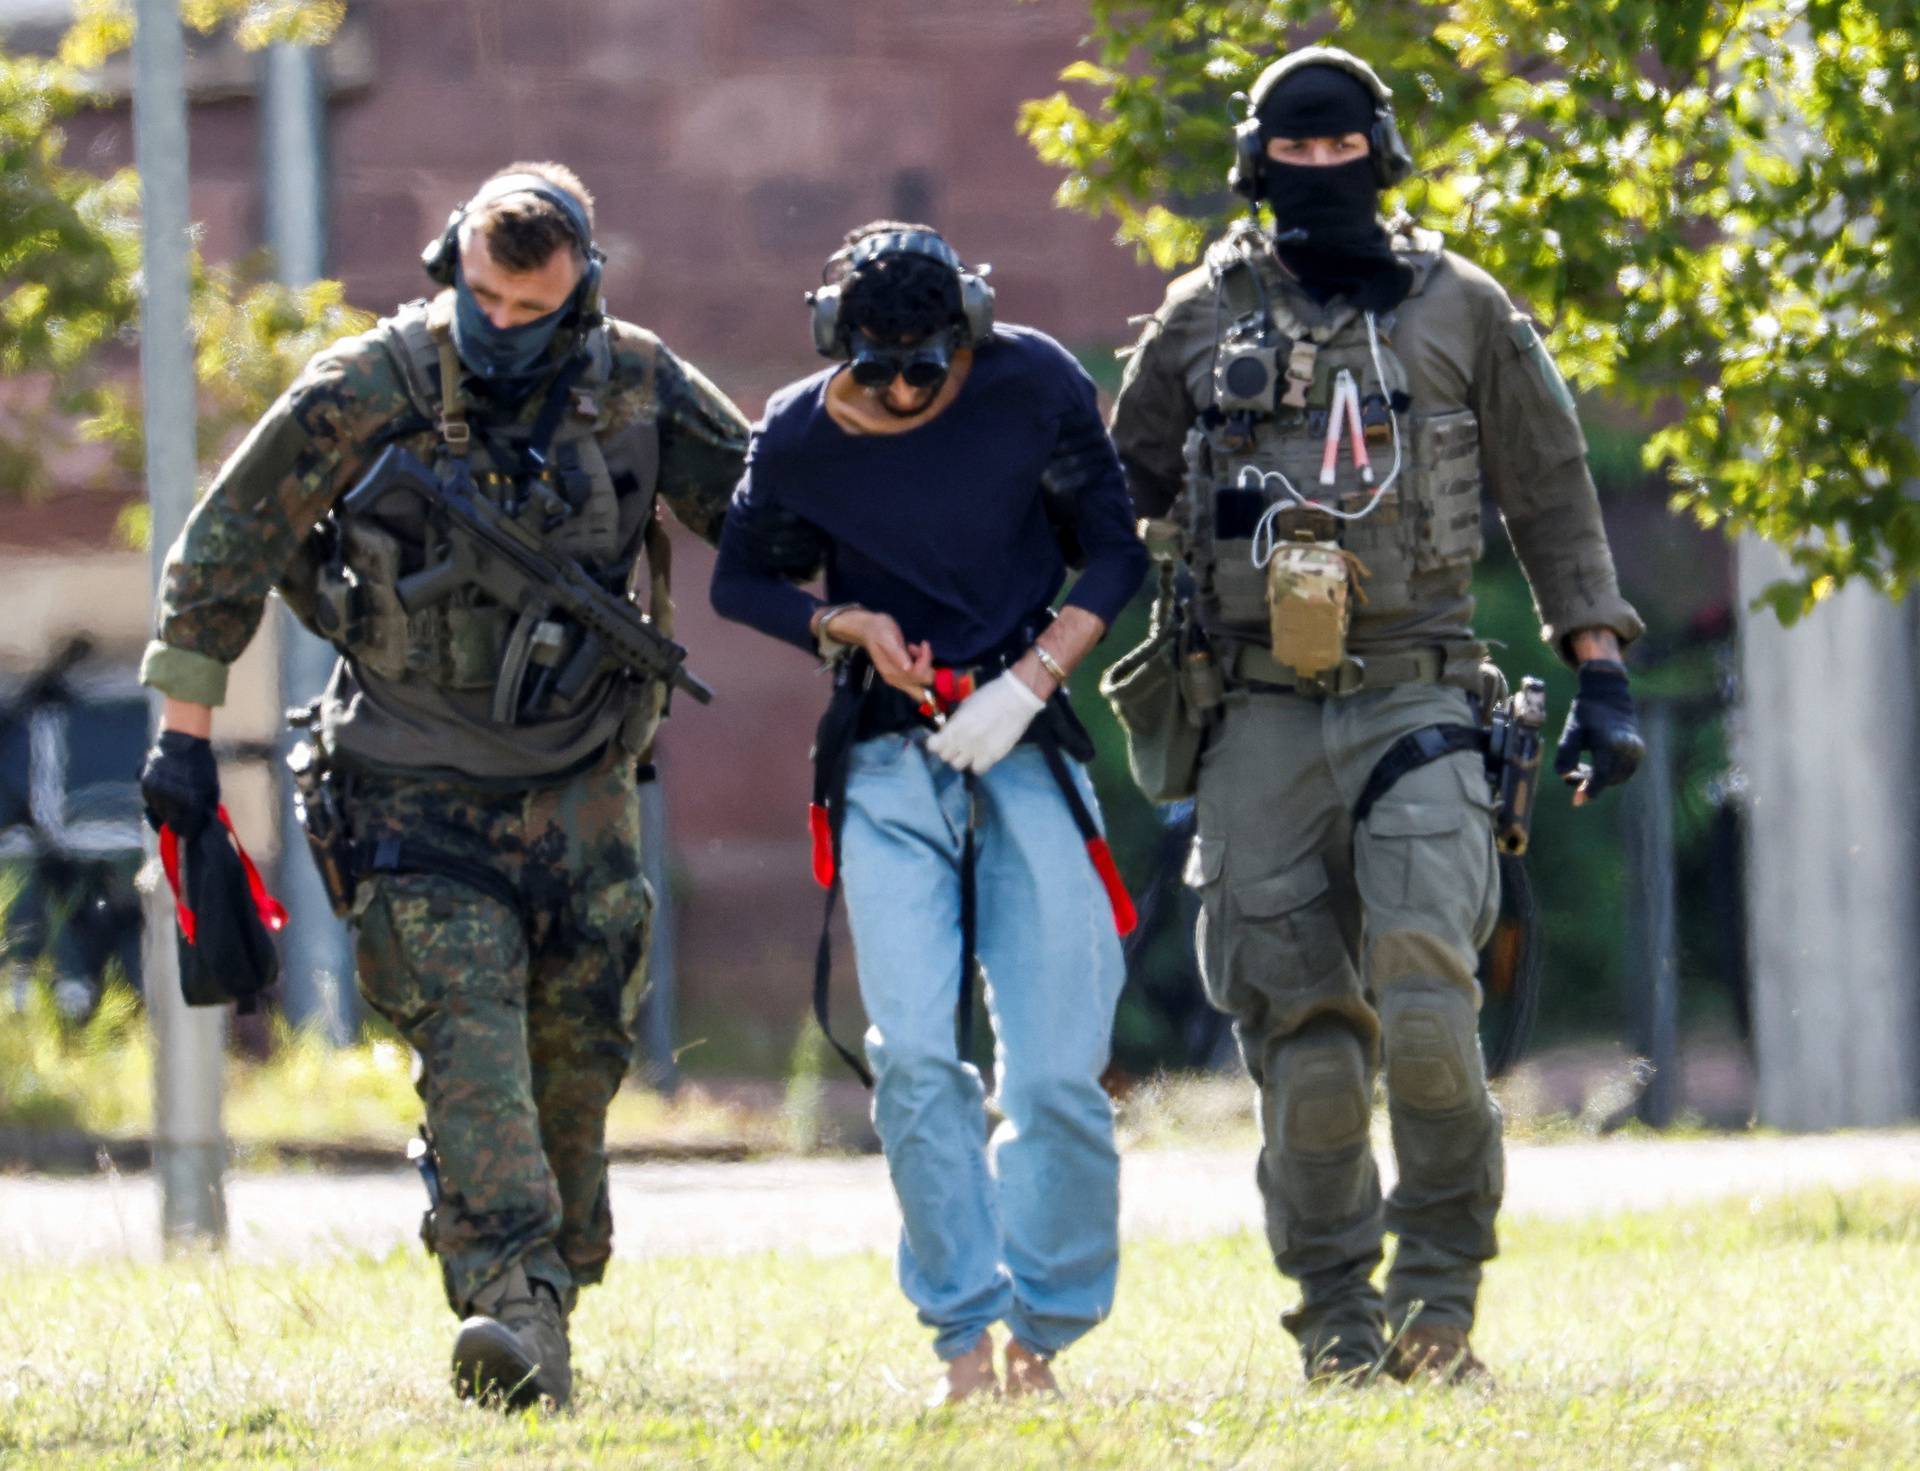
522 231
899 297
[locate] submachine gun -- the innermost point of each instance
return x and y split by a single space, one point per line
480 545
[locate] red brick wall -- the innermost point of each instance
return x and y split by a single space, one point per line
730 144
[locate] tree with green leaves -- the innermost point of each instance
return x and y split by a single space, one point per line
1712 202
70 261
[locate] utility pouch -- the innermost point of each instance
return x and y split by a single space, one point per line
322 816
1310 595
1148 688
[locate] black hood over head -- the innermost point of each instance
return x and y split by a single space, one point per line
1319 101
1327 220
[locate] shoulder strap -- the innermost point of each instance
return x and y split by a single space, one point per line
1420 247
419 339
1230 260
659 574
454 431
600 385
1235 260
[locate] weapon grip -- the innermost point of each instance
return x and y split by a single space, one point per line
586 662
438 581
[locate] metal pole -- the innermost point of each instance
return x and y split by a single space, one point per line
315 956
658 1023
1654 985
189 1052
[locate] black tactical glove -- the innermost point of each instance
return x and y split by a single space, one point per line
1602 723
180 783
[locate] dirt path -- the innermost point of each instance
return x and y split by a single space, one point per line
840 1205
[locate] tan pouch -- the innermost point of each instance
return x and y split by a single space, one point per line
1310 593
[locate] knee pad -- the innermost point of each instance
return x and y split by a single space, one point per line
1432 1048
1320 1076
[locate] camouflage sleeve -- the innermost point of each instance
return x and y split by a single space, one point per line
1151 415
1535 460
703 447
245 532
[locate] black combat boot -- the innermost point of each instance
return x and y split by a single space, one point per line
513 1351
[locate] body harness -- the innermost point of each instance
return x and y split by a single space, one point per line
862 707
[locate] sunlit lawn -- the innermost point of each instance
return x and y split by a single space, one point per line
1782 1335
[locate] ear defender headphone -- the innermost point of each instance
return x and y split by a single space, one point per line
830 333
1392 160
441 258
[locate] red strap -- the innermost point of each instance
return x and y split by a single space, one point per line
1125 917
950 687
170 865
821 831
272 912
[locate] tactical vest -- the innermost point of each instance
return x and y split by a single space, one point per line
1268 392
567 491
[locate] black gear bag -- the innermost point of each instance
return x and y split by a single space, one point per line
225 919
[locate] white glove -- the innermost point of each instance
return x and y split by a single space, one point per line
988 724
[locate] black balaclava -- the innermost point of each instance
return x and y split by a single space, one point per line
1346 251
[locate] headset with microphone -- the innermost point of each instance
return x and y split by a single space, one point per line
1392 159
830 334
441 258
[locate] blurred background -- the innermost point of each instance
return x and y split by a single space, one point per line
729 145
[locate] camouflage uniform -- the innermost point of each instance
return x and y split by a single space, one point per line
1336 946
518 988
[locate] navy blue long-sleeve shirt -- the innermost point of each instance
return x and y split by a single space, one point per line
943 526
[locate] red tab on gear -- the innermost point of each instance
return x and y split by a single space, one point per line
821 831
272 912
1125 918
170 865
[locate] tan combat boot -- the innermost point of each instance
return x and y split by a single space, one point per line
968 1375
513 1351
1028 1373
1438 1352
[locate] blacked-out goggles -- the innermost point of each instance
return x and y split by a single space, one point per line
923 364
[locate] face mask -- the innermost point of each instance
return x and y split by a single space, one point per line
1337 207
1327 230
499 352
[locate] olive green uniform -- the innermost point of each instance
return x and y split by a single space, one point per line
512 960
1333 947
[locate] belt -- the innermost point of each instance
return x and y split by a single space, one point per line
1254 667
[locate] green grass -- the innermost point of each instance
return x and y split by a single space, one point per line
98 1079
1737 1336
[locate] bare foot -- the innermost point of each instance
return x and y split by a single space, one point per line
969 1375
1028 1373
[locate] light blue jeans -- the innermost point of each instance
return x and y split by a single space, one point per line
1025 1230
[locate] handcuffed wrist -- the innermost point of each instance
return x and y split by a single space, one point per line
830 647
